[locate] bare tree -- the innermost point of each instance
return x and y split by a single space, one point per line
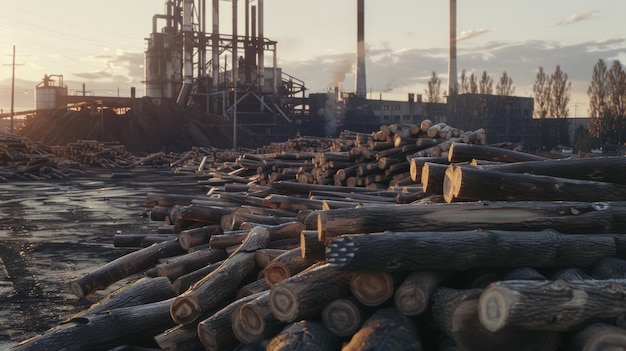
617 87
559 99
464 84
473 84
598 93
505 86
434 88
486 84
541 94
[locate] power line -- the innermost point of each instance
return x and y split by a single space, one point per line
13 87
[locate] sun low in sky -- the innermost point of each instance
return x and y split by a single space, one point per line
101 43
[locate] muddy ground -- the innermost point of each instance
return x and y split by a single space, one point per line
54 232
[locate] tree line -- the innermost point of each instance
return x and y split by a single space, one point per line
551 95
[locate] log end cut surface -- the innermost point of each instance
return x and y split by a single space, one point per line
185 309
283 303
411 301
493 308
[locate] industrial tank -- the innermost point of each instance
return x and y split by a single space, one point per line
48 91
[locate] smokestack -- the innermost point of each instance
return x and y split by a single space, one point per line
185 90
360 83
452 79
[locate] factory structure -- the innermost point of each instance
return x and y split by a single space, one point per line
236 76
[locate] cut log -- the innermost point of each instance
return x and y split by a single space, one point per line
255 322
286 265
192 237
219 284
599 169
304 336
311 247
550 305
123 267
598 337
373 288
460 152
265 256
141 292
180 338
565 217
306 294
216 332
256 286
569 274
480 184
190 262
609 268
417 163
182 283
104 331
397 251
432 177
412 296
345 316
386 330
455 313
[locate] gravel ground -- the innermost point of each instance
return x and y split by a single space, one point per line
54 232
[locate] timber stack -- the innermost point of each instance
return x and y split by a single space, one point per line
486 248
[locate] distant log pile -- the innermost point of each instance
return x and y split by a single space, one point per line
486 256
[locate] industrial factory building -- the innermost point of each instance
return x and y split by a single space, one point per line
236 76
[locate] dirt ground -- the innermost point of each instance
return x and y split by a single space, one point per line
54 232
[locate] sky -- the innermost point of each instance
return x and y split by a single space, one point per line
101 43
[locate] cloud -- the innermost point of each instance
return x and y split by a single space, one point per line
577 18
467 34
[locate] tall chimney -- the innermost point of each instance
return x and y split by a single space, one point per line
360 83
452 79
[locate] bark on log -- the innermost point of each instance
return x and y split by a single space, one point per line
345 316
311 247
123 267
216 332
256 286
397 251
550 305
460 152
190 262
265 256
104 331
286 265
386 330
304 336
480 184
141 292
599 169
306 294
192 237
417 163
182 283
412 296
565 217
455 313
180 338
598 337
219 284
432 177
609 268
254 321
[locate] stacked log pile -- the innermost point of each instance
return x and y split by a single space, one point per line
257 264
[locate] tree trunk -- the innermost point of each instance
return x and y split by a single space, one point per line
104 331
599 169
216 332
565 217
386 330
142 291
609 268
219 284
460 152
256 286
598 337
432 177
190 262
286 265
123 267
412 296
345 316
479 184
182 283
550 305
197 236
304 295
397 251
417 163
255 322
311 247
304 336
455 313
180 338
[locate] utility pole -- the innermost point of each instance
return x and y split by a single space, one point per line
12 90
